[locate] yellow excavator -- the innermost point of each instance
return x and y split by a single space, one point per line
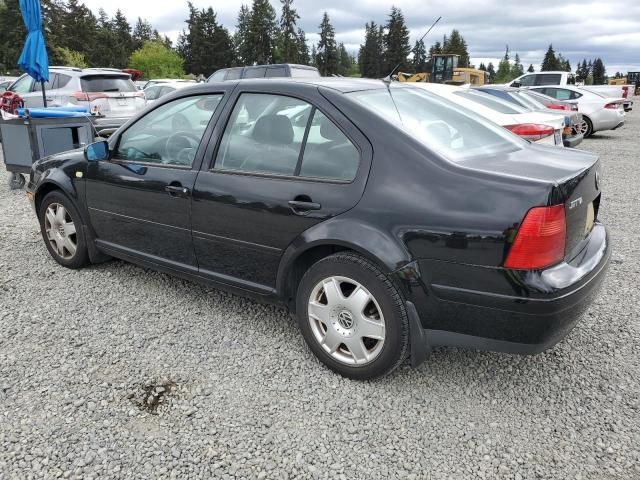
445 69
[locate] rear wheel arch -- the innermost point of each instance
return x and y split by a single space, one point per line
292 271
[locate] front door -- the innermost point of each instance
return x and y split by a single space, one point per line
281 166
140 200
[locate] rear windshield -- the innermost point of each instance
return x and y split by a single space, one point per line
491 102
107 83
447 128
304 72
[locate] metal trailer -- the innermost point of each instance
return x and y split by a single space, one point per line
25 140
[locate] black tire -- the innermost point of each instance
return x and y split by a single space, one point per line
395 348
589 131
81 256
16 181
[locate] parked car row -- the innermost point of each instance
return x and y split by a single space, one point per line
388 217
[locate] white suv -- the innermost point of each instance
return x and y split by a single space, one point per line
108 91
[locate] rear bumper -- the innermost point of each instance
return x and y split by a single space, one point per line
539 311
574 141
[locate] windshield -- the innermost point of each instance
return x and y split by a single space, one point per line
451 130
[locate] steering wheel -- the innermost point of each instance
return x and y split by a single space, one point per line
179 146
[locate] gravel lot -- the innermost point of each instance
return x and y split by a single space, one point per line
241 396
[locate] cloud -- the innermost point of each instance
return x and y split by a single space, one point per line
609 29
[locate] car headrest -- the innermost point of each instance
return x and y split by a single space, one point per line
274 130
329 131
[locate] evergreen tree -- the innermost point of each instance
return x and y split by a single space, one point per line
103 56
530 69
419 57
327 58
142 32
123 41
288 45
456 45
396 42
516 69
582 71
492 72
262 33
599 72
550 61
79 30
346 62
241 37
314 55
12 34
303 48
503 74
370 55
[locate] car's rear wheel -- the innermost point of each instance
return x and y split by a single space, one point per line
352 316
586 127
62 230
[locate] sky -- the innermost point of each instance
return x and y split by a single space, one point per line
609 29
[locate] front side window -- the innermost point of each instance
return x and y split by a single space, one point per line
548 78
22 85
280 135
170 134
218 76
449 129
152 93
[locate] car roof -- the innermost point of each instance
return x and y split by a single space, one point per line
341 84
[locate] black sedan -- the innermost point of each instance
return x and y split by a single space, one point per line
388 220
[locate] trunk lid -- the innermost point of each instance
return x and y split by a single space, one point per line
573 179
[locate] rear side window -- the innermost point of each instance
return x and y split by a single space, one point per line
255 72
217 77
63 80
276 72
280 135
562 93
304 72
328 153
107 83
548 79
491 102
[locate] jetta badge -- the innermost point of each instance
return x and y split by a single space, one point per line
575 203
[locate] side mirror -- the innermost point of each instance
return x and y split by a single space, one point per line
97 152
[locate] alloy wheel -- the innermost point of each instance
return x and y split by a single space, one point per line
346 320
61 231
583 127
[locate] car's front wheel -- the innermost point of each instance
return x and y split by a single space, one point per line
62 231
352 316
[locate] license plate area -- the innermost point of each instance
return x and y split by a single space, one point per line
122 102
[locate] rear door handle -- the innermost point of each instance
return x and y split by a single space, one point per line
177 190
301 207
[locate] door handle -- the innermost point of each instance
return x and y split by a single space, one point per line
177 190
300 207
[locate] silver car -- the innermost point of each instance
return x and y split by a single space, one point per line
109 92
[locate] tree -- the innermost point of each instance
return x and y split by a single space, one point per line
396 42
503 75
206 46
492 72
123 41
142 32
262 33
550 61
517 68
530 69
69 58
12 34
79 30
327 58
419 57
288 46
599 72
370 54
456 45
582 71
303 48
482 67
155 60
241 37
346 61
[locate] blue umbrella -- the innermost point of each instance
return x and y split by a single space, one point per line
34 59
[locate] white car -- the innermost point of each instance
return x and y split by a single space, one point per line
539 127
159 90
157 81
598 112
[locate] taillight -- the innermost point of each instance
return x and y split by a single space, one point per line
139 94
554 106
531 131
612 106
540 241
625 91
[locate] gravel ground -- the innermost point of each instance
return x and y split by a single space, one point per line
120 372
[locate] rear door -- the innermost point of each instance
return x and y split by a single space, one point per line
114 95
285 161
140 200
